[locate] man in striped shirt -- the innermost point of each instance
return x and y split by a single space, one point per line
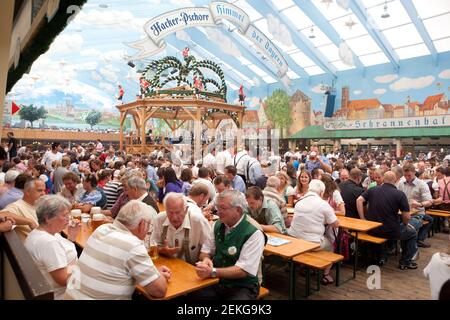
115 260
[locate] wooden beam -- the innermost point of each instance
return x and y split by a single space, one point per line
122 117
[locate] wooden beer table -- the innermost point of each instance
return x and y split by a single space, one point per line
184 278
356 225
288 251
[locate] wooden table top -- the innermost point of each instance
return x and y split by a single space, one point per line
357 224
290 250
184 278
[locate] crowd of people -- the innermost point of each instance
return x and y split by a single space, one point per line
247 193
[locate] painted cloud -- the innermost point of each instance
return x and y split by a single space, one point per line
445 74
346 54
379 91
344 4
279 30
183 35
224 42
357 92
318 89
404 84
387 78
67 43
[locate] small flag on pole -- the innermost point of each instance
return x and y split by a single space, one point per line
14 108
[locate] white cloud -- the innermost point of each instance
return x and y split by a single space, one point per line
279 30
254 102
89 66
109 74
96 76
404 84
182 2
387 78
113 55
107 87
111 19
445 74
183 35
344 4
91 52
67 43
346 54
256 82
357 92
379 91
224 42
154 2
318 89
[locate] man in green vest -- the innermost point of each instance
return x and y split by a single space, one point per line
233 253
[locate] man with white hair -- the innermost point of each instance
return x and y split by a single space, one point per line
311 214
233 252
12 192
179 231
137 190
115 260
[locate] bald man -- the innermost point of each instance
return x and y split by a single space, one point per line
385 202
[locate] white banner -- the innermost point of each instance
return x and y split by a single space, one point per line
161 26
389 123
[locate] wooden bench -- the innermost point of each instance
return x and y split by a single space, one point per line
311 261
29 279
368 238
263 292
438 214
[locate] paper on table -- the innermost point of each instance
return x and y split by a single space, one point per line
275 241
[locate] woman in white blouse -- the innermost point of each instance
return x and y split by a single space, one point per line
54 255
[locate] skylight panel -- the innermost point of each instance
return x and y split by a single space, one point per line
438 27
331 52
302 60
403 36
252 13
330 10
292 75
373 59
283 47
442 45
298 18
257 70
340 66
269 79
314 70
373 3
231 85
413 51
363 45
346 32
397 12
431 8
243 60
282 4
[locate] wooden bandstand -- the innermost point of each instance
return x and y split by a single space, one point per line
188 101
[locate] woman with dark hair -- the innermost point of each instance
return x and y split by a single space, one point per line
92 197
170 183
292 173
186 177
332 195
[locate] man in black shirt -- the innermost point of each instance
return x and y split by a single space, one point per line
385 202
350 191
12 146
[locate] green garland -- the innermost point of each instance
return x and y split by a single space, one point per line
179 72
231 114
41 41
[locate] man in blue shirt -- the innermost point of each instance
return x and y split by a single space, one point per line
236 181
315 160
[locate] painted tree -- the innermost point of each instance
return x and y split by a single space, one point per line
32 113
93 118
278 110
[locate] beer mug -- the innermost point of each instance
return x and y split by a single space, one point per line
85 217
153 250
96 210
97 220
75 214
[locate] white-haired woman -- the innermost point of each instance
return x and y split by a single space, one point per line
311 214
54 255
